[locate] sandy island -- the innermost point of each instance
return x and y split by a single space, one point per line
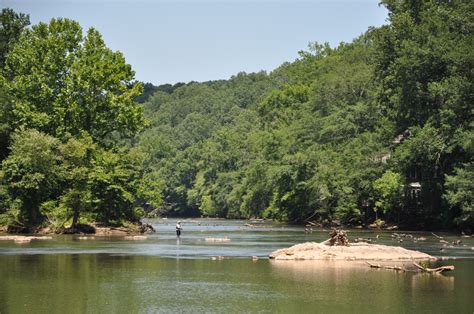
352 252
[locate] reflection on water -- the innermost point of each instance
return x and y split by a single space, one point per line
102 283
166 274
337 272
441 282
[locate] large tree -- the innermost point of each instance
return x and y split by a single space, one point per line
67 100
63 83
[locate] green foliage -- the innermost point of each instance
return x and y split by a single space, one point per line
11 26
56 216
459 187
379 128
148 91
340 133
149 188
32 172
67 105
57 182
112 187
389 189
63 83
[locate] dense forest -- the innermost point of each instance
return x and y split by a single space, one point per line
379 129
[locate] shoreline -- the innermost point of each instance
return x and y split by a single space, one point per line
145 227
88 229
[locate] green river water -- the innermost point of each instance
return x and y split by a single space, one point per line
164 275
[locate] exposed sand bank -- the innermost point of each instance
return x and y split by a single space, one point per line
23 239
352 252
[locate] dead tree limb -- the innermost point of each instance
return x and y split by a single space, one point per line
373 265
421 268
397 268
434 270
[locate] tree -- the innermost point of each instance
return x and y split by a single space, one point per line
62 83
332 135
459 187
69 101
32 173
78 160
389 189
423 61
11 26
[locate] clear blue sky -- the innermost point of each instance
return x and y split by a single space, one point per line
169 41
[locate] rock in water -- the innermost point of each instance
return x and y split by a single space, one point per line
135 238
225 239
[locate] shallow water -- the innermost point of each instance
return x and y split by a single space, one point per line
163 274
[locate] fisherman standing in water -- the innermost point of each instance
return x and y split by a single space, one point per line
178 229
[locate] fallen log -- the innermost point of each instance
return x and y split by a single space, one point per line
434 270
418 266
398 268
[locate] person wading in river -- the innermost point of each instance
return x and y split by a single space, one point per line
178 229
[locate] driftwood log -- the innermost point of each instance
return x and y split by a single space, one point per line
434 270
421 268
399 268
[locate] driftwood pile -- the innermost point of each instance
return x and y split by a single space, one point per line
338 237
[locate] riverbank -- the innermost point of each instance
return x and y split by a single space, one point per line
85 229
308 227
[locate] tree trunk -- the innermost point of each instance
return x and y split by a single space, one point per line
75 219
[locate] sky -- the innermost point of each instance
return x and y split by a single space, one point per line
169 41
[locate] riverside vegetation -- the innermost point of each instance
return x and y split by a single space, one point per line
377 129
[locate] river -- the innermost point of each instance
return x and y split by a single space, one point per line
165 274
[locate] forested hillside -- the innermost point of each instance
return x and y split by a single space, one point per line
379 128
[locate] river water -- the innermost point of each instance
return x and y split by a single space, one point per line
164 274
